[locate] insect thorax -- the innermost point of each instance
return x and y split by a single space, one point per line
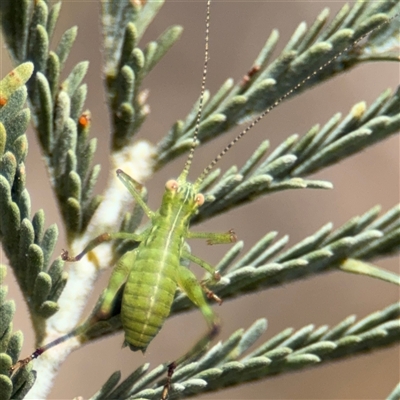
181 201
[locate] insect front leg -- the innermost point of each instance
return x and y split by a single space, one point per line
134 188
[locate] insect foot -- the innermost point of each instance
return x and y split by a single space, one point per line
104 237
22 363
220 238
209 293
65 255
195 352
167 386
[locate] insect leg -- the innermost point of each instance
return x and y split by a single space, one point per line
187 281
118 278
22 363
209 268
104 237
214 238
102 311
215 276
134 188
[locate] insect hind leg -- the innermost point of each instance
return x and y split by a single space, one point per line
187 281
193 352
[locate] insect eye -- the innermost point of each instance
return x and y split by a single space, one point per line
199 199
172 185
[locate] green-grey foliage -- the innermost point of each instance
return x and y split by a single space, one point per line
10 349
395 394
296 158
62 126
306 52
224 364
22 240
56 106
26 242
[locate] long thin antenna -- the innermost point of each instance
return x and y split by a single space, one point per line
189 160
277 102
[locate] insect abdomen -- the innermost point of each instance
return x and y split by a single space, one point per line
148 296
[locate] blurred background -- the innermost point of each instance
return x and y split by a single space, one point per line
238 31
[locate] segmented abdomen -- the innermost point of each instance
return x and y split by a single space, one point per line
148 294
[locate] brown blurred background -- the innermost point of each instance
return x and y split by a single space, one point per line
238 30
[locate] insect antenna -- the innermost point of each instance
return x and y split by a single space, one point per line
189 160
255 121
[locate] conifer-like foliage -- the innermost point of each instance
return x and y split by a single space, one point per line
56 111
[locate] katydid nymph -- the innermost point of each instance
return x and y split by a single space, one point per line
150 274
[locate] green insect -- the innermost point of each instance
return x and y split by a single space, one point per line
150 274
